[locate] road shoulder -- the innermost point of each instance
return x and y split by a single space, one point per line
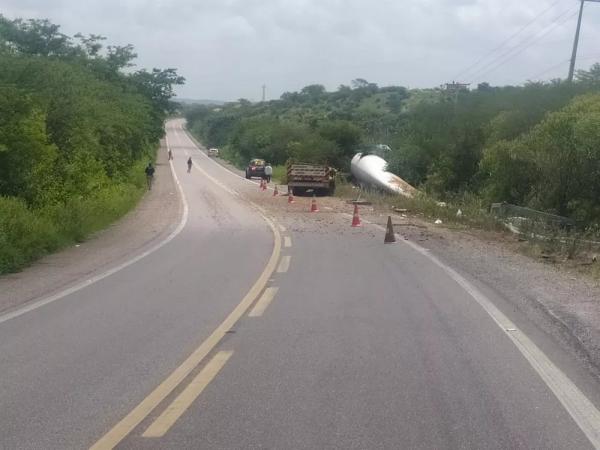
150 221
561 303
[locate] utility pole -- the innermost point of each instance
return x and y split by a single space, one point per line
264 87
576 40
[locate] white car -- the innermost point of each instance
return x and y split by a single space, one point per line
213 152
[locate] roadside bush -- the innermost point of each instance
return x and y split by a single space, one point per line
280 174
77 127
24 235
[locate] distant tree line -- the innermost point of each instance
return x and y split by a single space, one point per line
75 129
536 145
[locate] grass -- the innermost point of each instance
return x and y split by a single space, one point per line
27 234
280 174
226 153
230 156
473 212
574 250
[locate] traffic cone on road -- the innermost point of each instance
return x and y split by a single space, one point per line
356 218
389 232
275 192
260 186
290 196
313 205
263 185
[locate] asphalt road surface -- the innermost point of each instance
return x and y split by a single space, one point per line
240 332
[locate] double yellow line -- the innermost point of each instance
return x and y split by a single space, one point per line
143 409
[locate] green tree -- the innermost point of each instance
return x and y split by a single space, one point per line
34 37
347 138
591 76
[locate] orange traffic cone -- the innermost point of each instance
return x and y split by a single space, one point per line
275 192
389 232
356 218
290 196
313 205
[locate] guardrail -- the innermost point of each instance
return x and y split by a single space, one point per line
545 227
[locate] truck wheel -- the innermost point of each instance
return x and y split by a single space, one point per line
247 175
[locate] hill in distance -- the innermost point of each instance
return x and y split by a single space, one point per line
191 101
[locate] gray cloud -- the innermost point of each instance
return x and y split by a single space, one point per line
228 48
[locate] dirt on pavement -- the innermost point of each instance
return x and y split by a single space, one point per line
562 303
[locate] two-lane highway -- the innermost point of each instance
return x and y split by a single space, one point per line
246 331
73 368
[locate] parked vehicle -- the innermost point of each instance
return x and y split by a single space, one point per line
213 152
256 168
302 177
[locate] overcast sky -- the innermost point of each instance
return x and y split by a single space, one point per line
228 49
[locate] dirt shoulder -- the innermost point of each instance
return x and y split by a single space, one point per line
560 302
154 218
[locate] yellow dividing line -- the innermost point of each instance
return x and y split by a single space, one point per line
284 265
161 425
141 411
263 302
287 241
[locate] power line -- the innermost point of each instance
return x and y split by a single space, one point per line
564 61
523 44
548 69
517 50
512 36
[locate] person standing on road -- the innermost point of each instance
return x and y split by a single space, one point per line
170 155
149 175
189 163
268 172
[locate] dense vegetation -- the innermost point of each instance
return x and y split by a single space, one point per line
76 129
536 145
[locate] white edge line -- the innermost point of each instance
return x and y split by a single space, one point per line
197 144
38 304
578 406
233 317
